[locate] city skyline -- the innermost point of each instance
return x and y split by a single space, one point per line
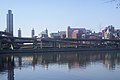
58 15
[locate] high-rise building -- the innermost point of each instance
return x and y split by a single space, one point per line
19 32
69 32
33 33
10 22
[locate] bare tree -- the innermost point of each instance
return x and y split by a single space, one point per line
117 2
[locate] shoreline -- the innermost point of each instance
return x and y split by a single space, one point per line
44 50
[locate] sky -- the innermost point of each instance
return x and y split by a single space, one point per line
57 15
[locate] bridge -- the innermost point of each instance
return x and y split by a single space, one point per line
9 42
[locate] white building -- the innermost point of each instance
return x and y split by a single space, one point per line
60 34
43 34
19 33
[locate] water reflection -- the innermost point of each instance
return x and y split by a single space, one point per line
7 65
73 60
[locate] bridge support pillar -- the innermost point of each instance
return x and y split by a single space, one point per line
54 44
77 44
59 45
41 46
35 44
81 42
0 44
11 46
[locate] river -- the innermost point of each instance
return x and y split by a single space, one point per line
86 65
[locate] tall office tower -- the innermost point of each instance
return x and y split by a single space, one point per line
19 33
33 33
10 22
68 32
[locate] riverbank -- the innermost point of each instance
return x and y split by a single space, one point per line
39 50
